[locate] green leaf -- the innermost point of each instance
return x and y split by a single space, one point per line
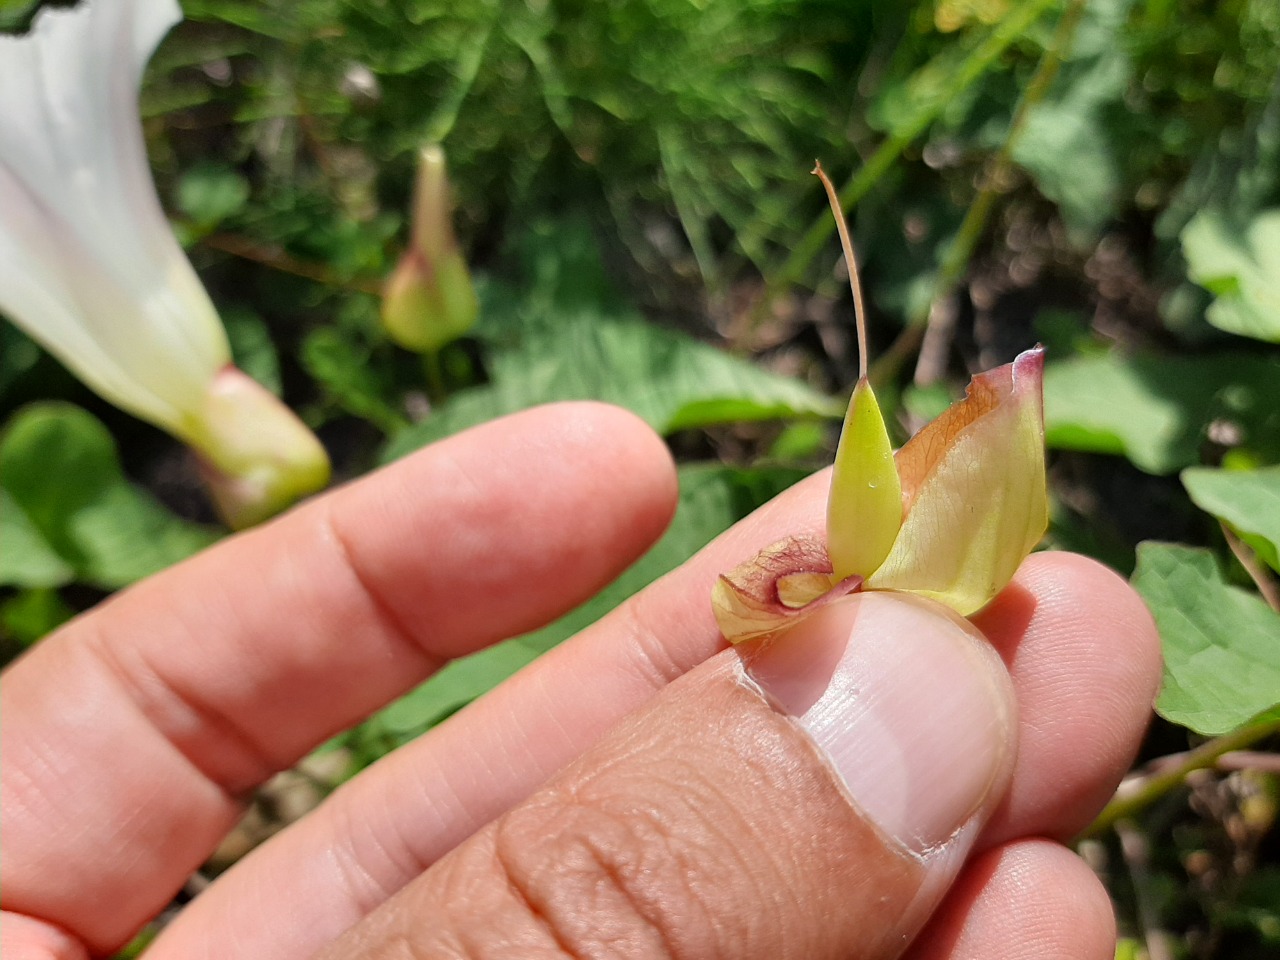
712 498
27 559
669 379
252 348
339 362
566 334
1070 149
1241 268
209 195
1155 409
68 511
16 14
18 355
1221 655
1072 141
1247 500
32 614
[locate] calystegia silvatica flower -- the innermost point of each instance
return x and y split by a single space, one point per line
950 516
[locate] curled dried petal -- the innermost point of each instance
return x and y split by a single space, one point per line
783 583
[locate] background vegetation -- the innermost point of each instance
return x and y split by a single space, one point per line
633 195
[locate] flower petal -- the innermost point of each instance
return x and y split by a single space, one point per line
775 589
88 264
973 487
864 508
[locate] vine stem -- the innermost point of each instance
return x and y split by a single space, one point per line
975 65
437 392
995 175
1148 788
277 259
1136 851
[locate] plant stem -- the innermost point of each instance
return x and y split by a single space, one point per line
1150 787
1136 851
1260 575
969 71
995 176
277 259
437 392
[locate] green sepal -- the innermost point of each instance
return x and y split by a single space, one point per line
864 511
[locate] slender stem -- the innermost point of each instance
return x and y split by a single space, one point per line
1136 850
994 176
851 262
277 259
437 392
1012 28
1260 760
1151 787
1260 575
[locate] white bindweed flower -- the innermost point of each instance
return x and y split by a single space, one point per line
89 266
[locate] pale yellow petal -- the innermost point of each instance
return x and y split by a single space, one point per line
974 482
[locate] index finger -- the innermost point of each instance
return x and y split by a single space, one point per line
130 736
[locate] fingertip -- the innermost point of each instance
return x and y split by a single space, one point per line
1107 614
539 509
1085 659
23 936
616 439
1023 901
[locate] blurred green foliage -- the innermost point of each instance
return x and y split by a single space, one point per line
633 196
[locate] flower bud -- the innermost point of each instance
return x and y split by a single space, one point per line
256 456
429 299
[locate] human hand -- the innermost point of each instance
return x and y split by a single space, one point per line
631 793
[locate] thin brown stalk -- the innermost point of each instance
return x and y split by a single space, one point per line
851 262
277 259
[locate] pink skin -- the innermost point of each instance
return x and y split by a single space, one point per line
129 739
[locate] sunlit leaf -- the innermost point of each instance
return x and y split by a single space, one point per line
1072 140
1156 410
27 559
71 510
1221 649
671 380
1241 268
1248 500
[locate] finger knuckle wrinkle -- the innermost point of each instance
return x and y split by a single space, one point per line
603 881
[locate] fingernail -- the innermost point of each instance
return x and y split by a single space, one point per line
911 704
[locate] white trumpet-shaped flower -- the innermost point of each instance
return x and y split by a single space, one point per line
90 268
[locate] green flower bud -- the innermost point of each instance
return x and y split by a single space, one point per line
429 299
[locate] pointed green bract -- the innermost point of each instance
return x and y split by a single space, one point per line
864 511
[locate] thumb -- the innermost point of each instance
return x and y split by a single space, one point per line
812 798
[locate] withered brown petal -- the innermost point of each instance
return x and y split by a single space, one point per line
775 589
